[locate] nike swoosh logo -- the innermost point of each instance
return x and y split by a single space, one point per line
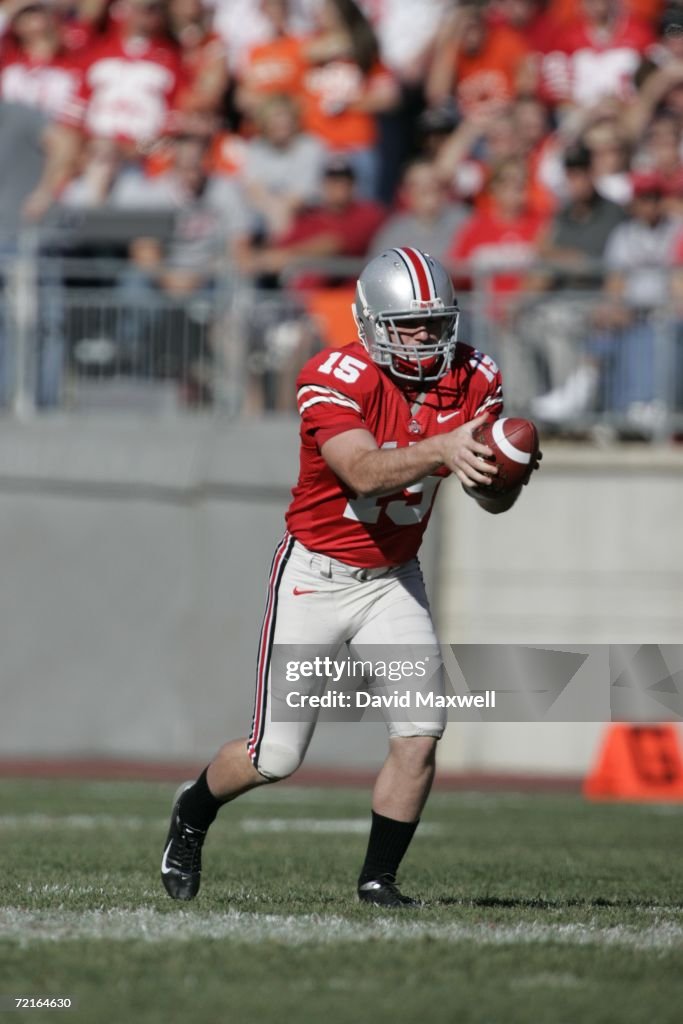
298 593
443 417
164 869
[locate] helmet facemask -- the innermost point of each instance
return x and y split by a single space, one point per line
419 362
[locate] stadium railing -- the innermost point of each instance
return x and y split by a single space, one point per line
84 332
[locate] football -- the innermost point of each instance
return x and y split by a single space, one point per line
515 446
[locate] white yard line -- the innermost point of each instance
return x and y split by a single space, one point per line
351 826
331 826
77 821
549 979
86 821
27 927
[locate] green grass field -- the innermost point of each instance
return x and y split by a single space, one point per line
541 909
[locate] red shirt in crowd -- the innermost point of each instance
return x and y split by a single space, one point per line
540 31
583 66
330 97
487 242
490 75
129 88
51 85
353 227
274 67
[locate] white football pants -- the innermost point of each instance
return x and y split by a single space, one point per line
315 605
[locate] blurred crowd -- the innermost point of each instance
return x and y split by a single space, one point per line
536 146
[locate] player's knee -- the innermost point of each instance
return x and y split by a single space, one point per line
276 762
417 753
423 749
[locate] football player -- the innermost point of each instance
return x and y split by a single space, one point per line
383 421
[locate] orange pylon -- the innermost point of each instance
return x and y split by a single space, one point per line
637 762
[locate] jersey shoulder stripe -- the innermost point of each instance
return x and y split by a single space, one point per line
312 394
331 400
309 389
491 402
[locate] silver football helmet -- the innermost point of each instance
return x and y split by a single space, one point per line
401 285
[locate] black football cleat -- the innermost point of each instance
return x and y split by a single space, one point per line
181 865
383 892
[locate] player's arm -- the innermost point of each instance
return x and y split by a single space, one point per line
441 75
371 471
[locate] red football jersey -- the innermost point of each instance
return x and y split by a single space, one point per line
50 84
583 68
344 390
129 88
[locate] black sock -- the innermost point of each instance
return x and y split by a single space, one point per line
388 842
198 806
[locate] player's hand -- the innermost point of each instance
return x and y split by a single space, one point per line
467 458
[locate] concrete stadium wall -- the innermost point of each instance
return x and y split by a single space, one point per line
592 553
135 555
